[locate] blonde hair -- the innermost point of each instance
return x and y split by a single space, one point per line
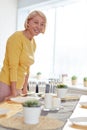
33 14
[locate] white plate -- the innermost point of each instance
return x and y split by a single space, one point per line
23 99
3 111
27 94
84 104
79 121
52 109
49 109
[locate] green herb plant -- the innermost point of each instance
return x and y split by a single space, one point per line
74 77
85 78
31 103
61 86
38 73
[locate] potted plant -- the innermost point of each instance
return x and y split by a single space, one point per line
85 81
61 90
38 75
31 111
74 80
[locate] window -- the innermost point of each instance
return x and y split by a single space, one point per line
62 49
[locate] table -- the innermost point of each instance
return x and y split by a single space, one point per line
63 114
78 112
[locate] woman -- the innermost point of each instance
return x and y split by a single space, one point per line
19 57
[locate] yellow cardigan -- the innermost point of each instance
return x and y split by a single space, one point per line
18 58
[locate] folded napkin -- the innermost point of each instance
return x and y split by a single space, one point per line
12 107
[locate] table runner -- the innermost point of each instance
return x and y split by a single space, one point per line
45 123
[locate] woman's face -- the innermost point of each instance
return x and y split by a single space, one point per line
36 25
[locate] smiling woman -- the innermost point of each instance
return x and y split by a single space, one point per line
16 67
35 19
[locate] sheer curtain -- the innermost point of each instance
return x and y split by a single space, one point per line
62 49
71 40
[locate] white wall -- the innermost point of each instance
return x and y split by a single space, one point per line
8 13
27 3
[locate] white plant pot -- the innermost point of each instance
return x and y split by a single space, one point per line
31 114
38 76
61 92
74 82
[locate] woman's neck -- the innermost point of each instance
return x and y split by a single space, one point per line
27 34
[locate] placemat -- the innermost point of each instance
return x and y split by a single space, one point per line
85 107
13 107
78 127
70 97
45 123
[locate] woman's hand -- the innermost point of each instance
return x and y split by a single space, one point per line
11 96
14 94
24 90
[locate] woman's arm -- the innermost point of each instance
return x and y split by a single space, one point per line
14 91
24 90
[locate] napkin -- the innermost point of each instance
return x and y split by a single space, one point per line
13 108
